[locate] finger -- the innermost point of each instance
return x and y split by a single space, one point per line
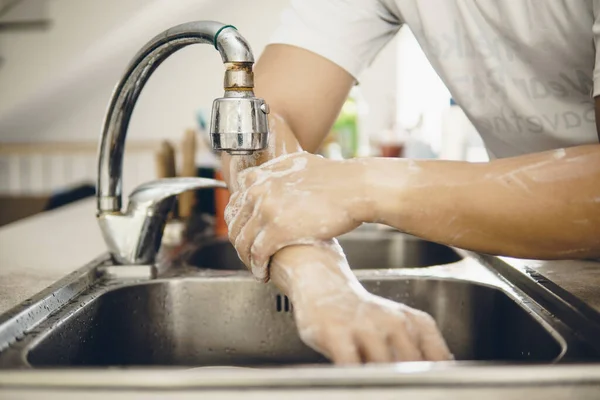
247 204
343 350
259 267
242 211
373 348
403 348
245 238
248 177
232 208
267 242
276 234
432 344
279 164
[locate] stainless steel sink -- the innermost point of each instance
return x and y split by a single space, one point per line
365 249
236 321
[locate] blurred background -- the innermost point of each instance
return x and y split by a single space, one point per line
60 59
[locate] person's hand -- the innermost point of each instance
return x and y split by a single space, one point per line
294 199
351 326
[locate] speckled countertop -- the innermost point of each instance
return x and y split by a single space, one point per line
38 251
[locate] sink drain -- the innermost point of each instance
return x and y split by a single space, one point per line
283 304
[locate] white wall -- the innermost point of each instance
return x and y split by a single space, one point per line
35 57
422 96
55 86
66 100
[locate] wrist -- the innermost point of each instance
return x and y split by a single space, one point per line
310 272
360 203
387 184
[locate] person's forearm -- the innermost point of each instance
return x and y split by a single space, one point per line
544 205
317 271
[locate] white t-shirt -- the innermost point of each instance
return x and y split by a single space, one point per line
524 71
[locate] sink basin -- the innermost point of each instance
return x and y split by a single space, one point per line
232 320
364 249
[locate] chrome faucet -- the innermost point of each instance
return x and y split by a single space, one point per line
238 126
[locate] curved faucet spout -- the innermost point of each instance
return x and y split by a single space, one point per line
238 126
249 133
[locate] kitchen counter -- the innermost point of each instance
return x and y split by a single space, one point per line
37 251
579 278
405 381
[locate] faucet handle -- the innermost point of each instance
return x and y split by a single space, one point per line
161 189
134 237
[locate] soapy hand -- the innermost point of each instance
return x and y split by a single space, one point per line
337 317
354 328
294 199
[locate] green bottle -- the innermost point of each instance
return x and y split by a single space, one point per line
346 128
